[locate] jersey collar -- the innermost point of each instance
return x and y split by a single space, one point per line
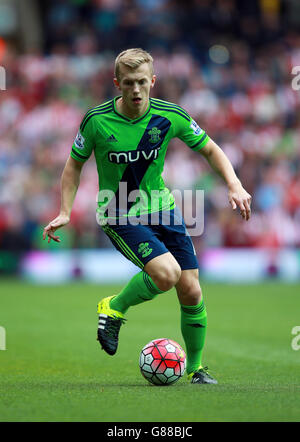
132 121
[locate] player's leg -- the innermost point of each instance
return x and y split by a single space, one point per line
192 308
164 270
141 246
193 317
193 324
159 275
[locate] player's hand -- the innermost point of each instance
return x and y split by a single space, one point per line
58 222
239 197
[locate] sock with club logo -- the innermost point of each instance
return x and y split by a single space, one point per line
193 329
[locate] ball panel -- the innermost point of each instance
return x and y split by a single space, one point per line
169 372
180 353
163 379
174 343
142 359
162 367
155 353
170 348
147 368
149 358
171 364
171 356
177 369
161 341
182 367
155 364
162 350
148 349
147 375
173 379
155 380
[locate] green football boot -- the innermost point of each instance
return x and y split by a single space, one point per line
201 376
109 325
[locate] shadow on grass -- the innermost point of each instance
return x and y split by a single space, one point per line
87 386
101 387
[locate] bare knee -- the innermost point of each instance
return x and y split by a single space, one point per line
165 274
167 277
188 290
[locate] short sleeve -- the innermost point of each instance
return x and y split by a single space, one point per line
84 143
191 134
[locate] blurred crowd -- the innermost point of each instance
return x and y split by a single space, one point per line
228 63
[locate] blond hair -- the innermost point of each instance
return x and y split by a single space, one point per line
133 58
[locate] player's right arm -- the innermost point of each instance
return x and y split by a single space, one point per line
81 151
199 141
69 184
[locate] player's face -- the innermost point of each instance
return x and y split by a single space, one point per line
135 85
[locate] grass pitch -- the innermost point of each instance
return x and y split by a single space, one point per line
54 370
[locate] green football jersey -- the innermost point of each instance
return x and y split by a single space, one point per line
130 154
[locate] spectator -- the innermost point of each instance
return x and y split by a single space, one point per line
245 102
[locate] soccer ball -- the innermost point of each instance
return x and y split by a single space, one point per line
162 362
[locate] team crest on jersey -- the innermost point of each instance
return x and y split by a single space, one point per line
144 249
154 135
197 130
79 141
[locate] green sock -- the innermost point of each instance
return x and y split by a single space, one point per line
193 329
140 288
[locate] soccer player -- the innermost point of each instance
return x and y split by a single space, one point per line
129 136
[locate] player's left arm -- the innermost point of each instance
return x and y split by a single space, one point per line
237 195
